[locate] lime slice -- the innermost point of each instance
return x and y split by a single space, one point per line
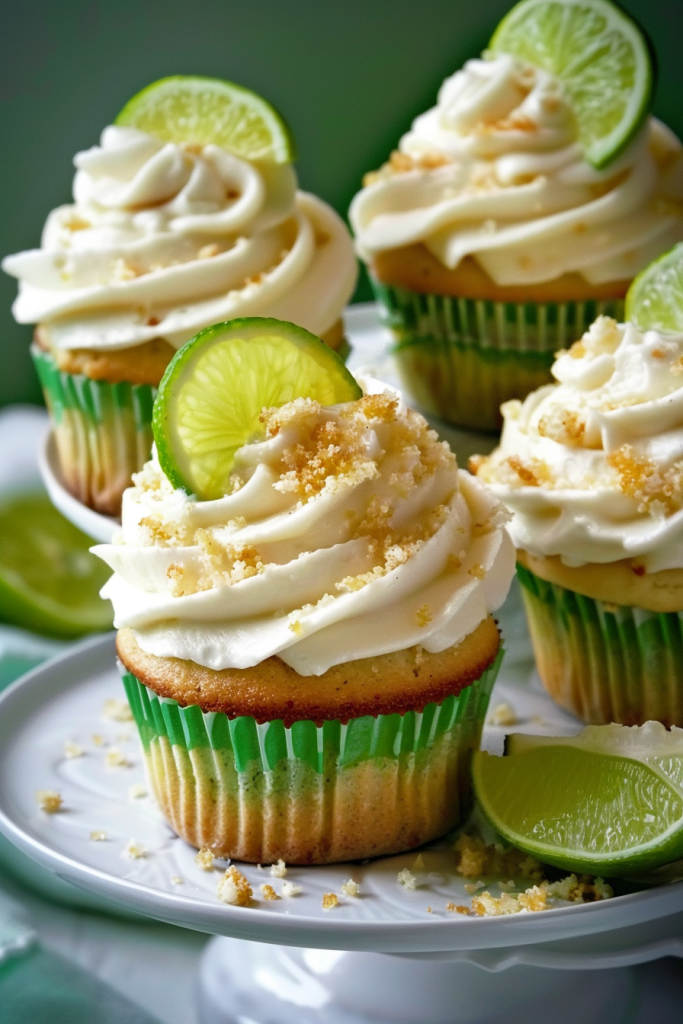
655 299
199 111
608 801
215 388
49 581
603 60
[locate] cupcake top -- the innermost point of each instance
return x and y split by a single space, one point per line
496 172
163 239
592 467
348 532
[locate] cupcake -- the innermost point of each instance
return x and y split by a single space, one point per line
173 227
492 241
309 656
592 470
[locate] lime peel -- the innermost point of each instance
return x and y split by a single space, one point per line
604 61
215 388
199 111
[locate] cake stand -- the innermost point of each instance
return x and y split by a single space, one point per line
382 957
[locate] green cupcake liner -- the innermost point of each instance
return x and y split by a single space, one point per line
103 431
462 358
605 662
311 792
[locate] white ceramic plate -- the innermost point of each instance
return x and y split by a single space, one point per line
63 701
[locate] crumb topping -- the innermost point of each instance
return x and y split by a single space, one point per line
234 889
330 900
49 801
268 892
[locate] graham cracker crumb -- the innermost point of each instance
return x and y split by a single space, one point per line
350 888
278 870
330 900
49 800
133 850
115 758
503 714
117 710
407 879
204 860
290 889
268 892
234 889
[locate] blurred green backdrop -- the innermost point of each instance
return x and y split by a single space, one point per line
348 75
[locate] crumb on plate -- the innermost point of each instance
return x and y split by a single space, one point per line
503 714
204 859
133 850
98 835
268 892
291 889
117 710
72 749
350 888
49 800
279 870
137 791
234 889
330 900
115 758
407 879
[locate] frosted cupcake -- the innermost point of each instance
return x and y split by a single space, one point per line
169 232
498 230
592 470
309 657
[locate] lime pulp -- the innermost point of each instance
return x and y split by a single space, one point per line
49 581
201 111
608 801
602 58
216 387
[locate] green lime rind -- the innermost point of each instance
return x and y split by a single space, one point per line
216 387
606 802
604 60
199 111
49 581
655 299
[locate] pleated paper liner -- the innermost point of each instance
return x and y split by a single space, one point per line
460 358
103 431
311 793
605 662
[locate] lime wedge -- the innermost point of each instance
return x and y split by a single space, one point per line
655 299
49 581
199 111
603 60
215 388
608 801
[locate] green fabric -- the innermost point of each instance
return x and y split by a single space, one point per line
41 988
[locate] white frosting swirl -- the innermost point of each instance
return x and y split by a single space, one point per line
164 239
592 467
496 173
351 534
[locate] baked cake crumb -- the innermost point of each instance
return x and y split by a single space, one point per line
117 710
291 889
204 860
503 714
330 900
98 836
98 740
350 888
233 888
407 879
137 791
72 750
457 908
279 870
115 758
49 800
268 892
476 859
177 880
134 851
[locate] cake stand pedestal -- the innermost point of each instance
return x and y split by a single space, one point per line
382 958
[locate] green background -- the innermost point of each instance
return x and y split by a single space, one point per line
349 77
